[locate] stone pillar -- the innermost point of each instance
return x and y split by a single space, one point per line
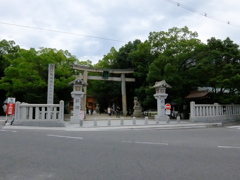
124 97
161 106
51 75
77 98
192 109
85 79
61 111
77 95
161 95
216 105
17 111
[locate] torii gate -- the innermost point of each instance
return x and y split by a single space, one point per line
122 79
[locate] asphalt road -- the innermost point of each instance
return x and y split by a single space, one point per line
187 154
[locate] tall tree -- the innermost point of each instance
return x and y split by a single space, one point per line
141 60
26 78
8 51
175 54
220 68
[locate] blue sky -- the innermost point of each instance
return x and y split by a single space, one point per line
119 20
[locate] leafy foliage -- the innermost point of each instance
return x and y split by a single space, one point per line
26 77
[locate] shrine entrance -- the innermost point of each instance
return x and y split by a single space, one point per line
105 77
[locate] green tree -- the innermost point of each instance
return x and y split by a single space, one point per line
141 60
26 78
175 52
8 50
116 60
220 69
108 60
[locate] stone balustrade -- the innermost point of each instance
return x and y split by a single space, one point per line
39 113
214 112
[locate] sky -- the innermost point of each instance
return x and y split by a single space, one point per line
88 29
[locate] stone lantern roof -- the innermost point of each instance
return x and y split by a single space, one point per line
161 84
78 81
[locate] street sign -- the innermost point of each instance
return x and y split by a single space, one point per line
11 100
81 115
168 111
168 106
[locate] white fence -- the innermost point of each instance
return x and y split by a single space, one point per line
214 112
25 112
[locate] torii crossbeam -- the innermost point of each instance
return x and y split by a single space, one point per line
121 79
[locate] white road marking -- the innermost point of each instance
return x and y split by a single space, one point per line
7 130
229 147
233 127
140 142
52 135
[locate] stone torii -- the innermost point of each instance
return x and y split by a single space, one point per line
121 79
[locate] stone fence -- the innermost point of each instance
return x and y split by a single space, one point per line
39 114
214 112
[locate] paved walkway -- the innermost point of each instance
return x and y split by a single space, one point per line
101 122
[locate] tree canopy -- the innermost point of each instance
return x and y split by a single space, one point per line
27 74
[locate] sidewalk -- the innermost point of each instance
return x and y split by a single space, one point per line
102 122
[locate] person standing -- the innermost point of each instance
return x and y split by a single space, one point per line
109 111
118 112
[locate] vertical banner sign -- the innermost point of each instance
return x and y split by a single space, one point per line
10 106
50 94
10 109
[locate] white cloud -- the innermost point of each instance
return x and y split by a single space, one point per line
118 20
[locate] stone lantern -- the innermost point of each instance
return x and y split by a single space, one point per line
161 95
77 95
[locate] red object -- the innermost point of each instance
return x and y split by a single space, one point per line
167 106
10 108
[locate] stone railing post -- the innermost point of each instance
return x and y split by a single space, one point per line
192 109
17 111
146 120
23 111
134 120
109 121
122 121
216 105
61 111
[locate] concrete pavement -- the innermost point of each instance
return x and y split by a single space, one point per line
102 122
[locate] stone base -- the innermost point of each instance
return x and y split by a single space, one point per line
74 119
161 117
137 113
40 123
213 119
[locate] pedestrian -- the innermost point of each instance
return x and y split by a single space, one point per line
109 111
118 112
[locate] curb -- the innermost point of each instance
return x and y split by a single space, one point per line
104 128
